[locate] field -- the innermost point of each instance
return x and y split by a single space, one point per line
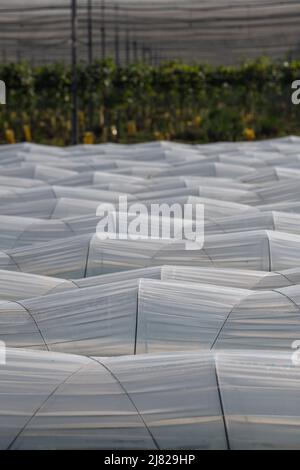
185 341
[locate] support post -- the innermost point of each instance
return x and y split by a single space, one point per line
90 61
74 136
103 31
117 39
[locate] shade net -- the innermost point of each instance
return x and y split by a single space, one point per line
218 31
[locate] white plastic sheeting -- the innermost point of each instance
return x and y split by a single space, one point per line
19 286
123 344
87 255
234 400
134 316
186 316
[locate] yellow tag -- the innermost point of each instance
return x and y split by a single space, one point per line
88 138
131 128
10 136
27 133
249 134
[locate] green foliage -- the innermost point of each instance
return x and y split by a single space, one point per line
194 103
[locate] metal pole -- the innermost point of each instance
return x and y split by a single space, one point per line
74 136
90 61
19 52
127 46
117 60
135 51
103 31
150 56
144 54
90 32
19 55
117 42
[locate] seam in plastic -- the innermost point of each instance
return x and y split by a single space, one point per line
35 322
130 399
43 404
222 408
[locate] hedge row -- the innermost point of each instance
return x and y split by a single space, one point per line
193 103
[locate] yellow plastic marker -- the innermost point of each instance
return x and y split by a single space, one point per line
197 120
88 138
249 134
10 136
131 128
27 133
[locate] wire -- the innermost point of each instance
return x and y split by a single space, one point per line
218 30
